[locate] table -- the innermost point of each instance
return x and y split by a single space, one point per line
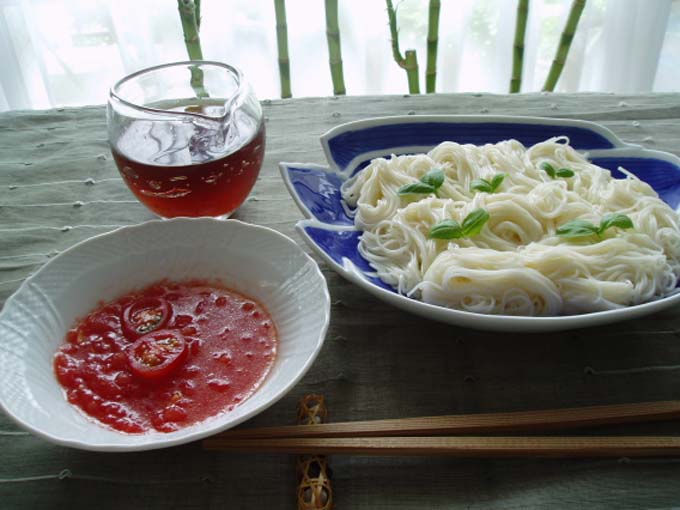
58 185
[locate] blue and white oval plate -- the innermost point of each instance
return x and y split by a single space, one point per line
329 227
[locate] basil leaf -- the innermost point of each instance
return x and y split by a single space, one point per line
486 186
474 222
497 181
451 229
434 178
548 169
482 185
447 229
429 183
564 172
416 187
615 220
577 228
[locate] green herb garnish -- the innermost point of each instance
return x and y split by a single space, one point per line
583 228
429 183
562 172
486 186
451 229
417 188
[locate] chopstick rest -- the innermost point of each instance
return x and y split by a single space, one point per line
314 485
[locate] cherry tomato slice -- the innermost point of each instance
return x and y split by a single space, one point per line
157 354
145 315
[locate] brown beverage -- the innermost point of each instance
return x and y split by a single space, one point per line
174 172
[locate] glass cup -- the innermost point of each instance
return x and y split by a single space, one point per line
188 137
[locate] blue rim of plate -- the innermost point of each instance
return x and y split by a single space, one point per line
329 228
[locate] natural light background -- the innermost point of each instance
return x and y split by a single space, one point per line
69 52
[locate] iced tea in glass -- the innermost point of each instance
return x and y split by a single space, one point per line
188 138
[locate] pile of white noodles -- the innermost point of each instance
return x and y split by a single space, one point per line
516 265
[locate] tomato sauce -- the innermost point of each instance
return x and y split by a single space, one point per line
166 357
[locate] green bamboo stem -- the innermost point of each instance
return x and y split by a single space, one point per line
394 33
518 50
411 66
432 43
189 18
282 44
334 48
410 61
565 43
189 14
197 9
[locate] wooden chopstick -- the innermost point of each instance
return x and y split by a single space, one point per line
474 446
521 421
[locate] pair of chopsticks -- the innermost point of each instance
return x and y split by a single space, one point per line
461 435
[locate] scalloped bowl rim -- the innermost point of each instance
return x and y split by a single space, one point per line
213 425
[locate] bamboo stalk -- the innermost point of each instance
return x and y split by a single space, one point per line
518 50
567 37
334 48
432 43
409 62
394 33
190 22
190 16
282 44
411 66
197 9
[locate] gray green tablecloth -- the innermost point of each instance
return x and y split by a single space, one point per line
58 185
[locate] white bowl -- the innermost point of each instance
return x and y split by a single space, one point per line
253 260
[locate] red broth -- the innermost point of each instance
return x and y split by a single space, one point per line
166 357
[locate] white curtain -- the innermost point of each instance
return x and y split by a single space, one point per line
69 52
